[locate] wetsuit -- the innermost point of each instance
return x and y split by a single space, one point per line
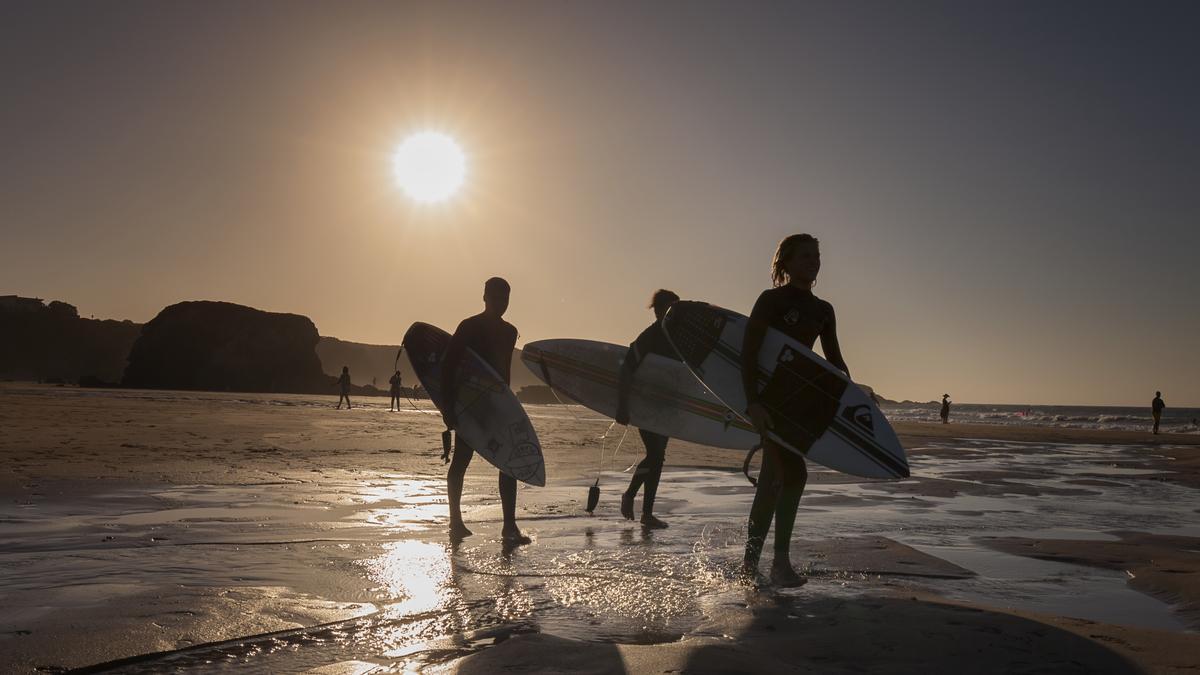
804 317
945 411
651 341
493 339
1156 408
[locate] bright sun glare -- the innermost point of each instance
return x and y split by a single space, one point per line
430 167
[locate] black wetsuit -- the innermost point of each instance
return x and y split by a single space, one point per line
1156 408
651 341
493 339
804 317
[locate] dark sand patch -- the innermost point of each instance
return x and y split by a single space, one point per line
1165 567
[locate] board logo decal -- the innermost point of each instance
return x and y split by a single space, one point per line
860 415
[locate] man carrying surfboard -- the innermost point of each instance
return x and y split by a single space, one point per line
493 339
649 470
791 308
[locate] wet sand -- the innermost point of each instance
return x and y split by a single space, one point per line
275 534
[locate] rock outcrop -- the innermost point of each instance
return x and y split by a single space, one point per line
220 346
50 343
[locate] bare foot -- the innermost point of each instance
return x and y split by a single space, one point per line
651 523
784 576
458 531
513 537
627 506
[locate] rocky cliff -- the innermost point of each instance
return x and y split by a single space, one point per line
220 346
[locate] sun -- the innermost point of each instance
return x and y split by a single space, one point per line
430 167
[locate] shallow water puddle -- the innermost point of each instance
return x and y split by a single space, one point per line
370 555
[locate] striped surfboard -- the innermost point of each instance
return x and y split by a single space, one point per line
664 398
816 410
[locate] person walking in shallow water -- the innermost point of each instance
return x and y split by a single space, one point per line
791 308
945 409
651 341
493 339
344 383
394 406
1156 409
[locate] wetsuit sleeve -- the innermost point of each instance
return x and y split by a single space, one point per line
756 330
450 361
829 342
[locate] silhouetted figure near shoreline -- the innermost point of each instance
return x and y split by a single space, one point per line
344 383
945 413
651 341
493 339
394 406
1156 409
791 308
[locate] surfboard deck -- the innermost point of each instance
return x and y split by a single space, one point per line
490 418
664 397
816 410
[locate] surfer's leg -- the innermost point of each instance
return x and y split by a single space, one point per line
793 476
508 506
652 466
637 480
454 487
762 509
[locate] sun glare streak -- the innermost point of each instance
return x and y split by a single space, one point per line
430 167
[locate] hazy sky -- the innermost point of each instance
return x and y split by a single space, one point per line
1007 193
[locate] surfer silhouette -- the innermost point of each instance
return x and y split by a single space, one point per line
344 383
791 308
1156 409
395 391
651 341
493 339
945 413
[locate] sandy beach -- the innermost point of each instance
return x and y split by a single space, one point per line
144 530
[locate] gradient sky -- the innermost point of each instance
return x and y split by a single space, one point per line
1007 193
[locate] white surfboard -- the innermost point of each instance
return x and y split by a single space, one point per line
490 418
816 410
664 397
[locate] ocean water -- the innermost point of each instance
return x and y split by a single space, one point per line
1137 418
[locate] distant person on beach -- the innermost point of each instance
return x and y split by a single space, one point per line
1156 408
946 409
791 308
344 383
651 341
493 339
395 392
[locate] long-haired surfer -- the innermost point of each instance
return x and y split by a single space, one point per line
493 339
791 308
651 341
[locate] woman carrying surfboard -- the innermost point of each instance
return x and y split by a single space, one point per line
791 308
649 470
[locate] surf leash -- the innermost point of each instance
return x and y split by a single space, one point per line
746 464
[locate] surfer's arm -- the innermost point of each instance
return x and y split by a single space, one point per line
625 382
829 344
